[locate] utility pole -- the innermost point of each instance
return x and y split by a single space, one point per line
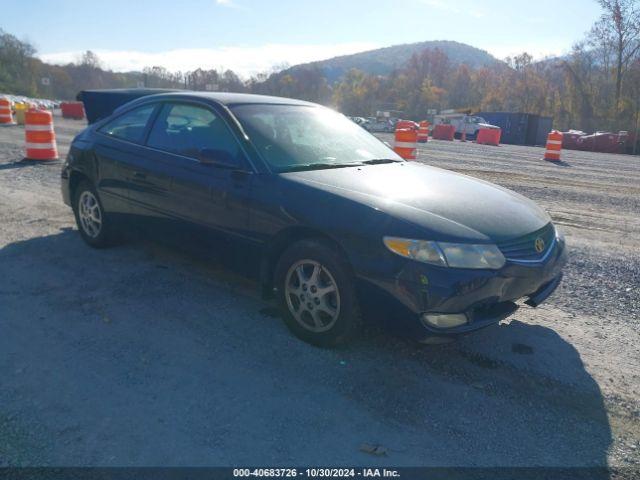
637 135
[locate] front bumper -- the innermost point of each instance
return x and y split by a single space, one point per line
484 296
544 292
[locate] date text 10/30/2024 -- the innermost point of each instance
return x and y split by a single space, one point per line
316 472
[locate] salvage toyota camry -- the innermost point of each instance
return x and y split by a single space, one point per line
339 220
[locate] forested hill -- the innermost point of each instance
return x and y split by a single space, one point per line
383 61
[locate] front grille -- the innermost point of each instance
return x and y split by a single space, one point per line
524 248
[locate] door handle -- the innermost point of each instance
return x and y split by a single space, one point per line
239 177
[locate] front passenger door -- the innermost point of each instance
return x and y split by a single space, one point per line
200 193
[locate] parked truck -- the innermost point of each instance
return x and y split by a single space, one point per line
469 124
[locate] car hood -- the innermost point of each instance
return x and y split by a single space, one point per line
455 206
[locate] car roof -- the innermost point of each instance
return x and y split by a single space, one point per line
100 104
224 98
230 99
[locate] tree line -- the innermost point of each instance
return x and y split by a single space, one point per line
595 87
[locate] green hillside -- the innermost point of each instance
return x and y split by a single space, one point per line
384 60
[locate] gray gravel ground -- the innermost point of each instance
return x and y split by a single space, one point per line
142 355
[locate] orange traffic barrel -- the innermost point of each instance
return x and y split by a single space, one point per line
6 114
489 136
423 132
402 124
406 143
554 146
40 136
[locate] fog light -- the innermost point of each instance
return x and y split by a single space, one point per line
444 320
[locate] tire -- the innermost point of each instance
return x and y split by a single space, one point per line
304 271
93 224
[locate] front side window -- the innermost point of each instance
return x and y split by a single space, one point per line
131 125
291 137
187 129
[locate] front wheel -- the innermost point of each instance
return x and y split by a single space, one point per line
316 294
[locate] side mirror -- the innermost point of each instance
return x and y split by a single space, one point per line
217 158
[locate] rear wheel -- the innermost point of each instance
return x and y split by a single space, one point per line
316 294
93 224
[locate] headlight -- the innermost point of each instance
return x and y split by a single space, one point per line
460 255
454 255
420 250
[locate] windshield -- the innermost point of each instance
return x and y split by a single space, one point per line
294 137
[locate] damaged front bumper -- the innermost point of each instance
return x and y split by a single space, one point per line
473 299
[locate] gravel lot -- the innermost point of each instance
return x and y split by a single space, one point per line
142 355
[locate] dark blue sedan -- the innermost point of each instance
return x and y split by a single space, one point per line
339 224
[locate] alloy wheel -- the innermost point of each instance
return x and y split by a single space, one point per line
89 214
312 295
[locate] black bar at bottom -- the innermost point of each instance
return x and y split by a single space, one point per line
215 473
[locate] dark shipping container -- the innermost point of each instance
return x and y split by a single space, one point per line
520 128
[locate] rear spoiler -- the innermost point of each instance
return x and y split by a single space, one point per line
99 104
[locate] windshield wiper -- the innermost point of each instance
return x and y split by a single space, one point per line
377 161
320 166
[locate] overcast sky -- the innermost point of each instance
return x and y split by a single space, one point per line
249 36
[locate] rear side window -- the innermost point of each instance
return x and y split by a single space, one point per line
130 126
186 129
